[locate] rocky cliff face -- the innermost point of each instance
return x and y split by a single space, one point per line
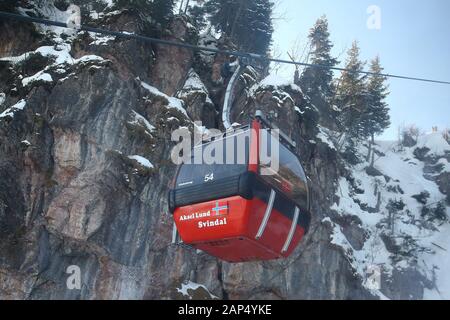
85 140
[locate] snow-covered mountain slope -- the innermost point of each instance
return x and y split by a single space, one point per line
439 262
399 205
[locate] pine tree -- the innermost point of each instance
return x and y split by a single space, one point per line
247 23
376 117
198 16
254 28
162 10
159 10
352 99
221 13
319 80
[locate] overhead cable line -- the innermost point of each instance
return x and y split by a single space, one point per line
17 17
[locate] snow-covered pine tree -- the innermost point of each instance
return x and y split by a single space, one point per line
351 98
376 117
247 23
319 80
254 28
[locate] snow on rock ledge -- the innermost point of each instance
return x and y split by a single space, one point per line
142 161
325 136
139 120
13 109
274 81
41 76
194 85
173 103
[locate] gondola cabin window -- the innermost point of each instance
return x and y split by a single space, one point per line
290 178
222 158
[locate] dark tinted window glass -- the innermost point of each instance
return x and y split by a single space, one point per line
222 158
290 177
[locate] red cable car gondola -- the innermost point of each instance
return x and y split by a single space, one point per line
232 211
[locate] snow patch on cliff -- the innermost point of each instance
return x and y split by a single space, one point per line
325 137
40 76
275 81
194 85
59 53
101 41
13 109
142 161
109 3
188 287
172 102
47 10
138 119
445 164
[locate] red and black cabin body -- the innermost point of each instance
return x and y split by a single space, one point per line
232 211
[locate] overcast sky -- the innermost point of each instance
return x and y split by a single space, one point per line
414 40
